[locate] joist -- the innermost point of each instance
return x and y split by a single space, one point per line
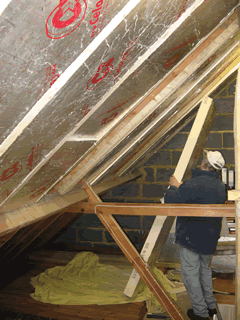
237 187
189 159
155 209
136 260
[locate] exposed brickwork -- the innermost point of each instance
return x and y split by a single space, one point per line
151 186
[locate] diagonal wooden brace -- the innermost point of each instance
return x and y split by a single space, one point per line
135 259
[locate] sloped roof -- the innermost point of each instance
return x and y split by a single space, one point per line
89 89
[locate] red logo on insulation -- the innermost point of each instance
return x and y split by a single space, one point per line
103 70
11 171
65 18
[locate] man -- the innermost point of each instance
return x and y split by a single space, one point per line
198 236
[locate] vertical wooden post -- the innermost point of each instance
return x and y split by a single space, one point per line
237 187
136 260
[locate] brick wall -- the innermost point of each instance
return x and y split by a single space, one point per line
88 231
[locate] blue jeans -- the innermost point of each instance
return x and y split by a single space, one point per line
197 278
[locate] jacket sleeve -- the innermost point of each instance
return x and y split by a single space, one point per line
172 195
183 194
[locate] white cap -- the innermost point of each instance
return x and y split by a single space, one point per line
215 158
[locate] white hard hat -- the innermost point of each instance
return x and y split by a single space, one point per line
215 158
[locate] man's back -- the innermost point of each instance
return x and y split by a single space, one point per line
199 234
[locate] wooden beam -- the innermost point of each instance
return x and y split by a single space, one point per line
237 187
136 260
7 237
19 244
52 203
205 90
158 234
158 209
125 126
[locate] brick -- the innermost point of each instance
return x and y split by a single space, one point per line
113 199
175 157
147 222
228 156
177 142
188 127
224 93
224 105
69 235
228 140
164 174
214 140
106 245
136 236
85 234
79 222
108 237
129 222
232 88
160 157
150 174
126 190
138 200
153 190
106 195
222 122
92 221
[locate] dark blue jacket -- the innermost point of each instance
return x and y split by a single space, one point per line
199 234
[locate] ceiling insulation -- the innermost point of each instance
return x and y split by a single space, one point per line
85 85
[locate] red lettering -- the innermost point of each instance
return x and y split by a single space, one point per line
95 16
38 192
10 172
183 10
110 118
85 110
124 57
54 79
31 157
103 70
99 3
171 61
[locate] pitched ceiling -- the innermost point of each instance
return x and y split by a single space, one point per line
92 88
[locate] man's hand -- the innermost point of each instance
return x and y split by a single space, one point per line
173 181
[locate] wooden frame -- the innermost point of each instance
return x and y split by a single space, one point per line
136 260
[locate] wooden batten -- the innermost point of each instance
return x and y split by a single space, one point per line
237 187
189 159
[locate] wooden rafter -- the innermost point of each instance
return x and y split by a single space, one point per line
140 156
20 217
237 187
125 126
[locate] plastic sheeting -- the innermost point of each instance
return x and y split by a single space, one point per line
85 281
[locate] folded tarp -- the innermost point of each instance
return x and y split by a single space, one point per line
85 281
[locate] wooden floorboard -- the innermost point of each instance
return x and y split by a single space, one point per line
15 297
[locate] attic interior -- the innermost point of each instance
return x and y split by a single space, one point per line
100 103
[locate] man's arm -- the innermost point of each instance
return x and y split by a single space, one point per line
172 195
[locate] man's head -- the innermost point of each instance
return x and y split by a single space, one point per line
212 161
